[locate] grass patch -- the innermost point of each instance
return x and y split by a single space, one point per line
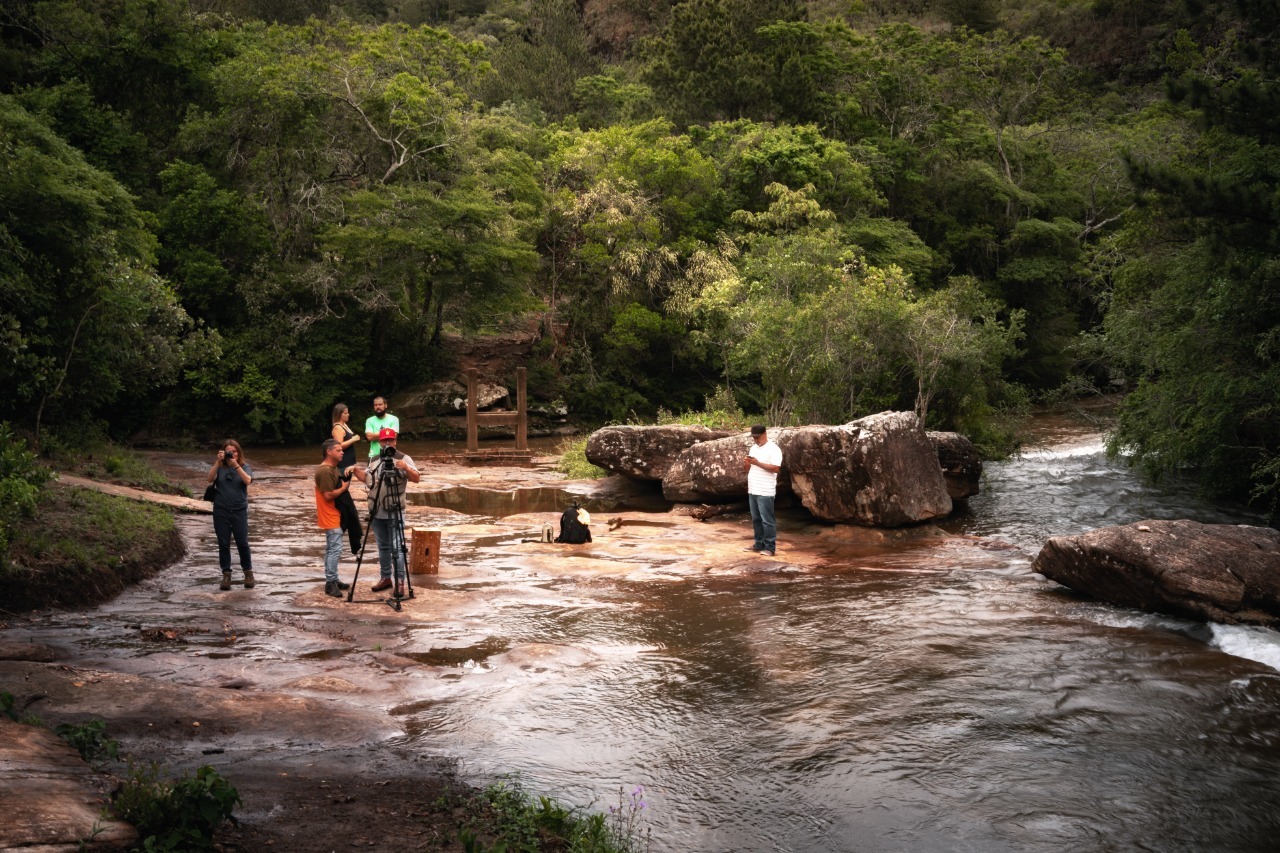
509 818
82 547
573 461
110 463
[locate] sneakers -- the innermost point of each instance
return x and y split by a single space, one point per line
752 549
343 586
399 590
226 582
766 553
385 583
249 582
332 588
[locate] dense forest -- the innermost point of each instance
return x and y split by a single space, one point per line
231 213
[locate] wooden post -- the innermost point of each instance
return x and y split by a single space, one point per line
522 409
424 551
473 425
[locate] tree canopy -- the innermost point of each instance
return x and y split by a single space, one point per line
231 213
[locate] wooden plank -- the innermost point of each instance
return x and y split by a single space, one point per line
522 411
473 427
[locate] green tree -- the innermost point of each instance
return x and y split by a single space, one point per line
85 316
1195 315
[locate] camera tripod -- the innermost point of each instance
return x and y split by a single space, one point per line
386 483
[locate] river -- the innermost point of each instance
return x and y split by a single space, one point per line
962 705
936 696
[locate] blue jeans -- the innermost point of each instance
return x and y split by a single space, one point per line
763 522
332 553
390 547
226 524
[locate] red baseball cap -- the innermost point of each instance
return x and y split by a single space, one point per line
385 433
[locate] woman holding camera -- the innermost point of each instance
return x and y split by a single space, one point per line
346 437
232 475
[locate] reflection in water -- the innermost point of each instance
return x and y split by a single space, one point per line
491 503
977 707
942 699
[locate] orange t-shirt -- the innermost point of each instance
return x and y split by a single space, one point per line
327 479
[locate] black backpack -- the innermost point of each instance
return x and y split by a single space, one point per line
572 531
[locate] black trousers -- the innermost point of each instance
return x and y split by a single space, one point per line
228 523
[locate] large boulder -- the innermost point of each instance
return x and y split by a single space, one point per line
644 452
961 465
442 398
880 471
1217 572
712 472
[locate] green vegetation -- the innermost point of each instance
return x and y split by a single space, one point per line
516 820
61 545
175 815
573 461
225 215
21 481
84 547
91 741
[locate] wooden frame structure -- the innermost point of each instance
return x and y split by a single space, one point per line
520 455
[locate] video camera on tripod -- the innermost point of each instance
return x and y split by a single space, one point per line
387 483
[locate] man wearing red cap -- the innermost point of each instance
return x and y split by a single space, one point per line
386 478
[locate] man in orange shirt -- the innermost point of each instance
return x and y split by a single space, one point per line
331 482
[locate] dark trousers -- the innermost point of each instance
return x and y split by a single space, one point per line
763 522
350 517
228 523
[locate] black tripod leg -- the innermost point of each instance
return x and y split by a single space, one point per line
404 555
360 559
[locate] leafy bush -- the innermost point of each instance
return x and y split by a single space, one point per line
176 815
721 411
21 479
90 740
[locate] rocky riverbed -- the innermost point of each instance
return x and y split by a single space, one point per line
297 698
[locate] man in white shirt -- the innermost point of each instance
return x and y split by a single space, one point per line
762 465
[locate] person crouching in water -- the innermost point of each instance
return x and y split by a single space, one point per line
331 484
386 504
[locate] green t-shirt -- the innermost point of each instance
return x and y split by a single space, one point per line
376 423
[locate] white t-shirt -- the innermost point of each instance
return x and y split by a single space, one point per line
760 482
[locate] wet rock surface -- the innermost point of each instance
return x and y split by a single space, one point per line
645 452
52 800
961 465
317 708
1217 572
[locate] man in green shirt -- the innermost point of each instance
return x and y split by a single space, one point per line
379 421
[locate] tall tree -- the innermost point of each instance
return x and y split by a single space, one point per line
1197 318
85 317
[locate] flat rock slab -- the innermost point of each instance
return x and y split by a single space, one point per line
1217 572
186 715
52 800
177 502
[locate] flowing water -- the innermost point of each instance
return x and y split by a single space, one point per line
950 703
934 697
